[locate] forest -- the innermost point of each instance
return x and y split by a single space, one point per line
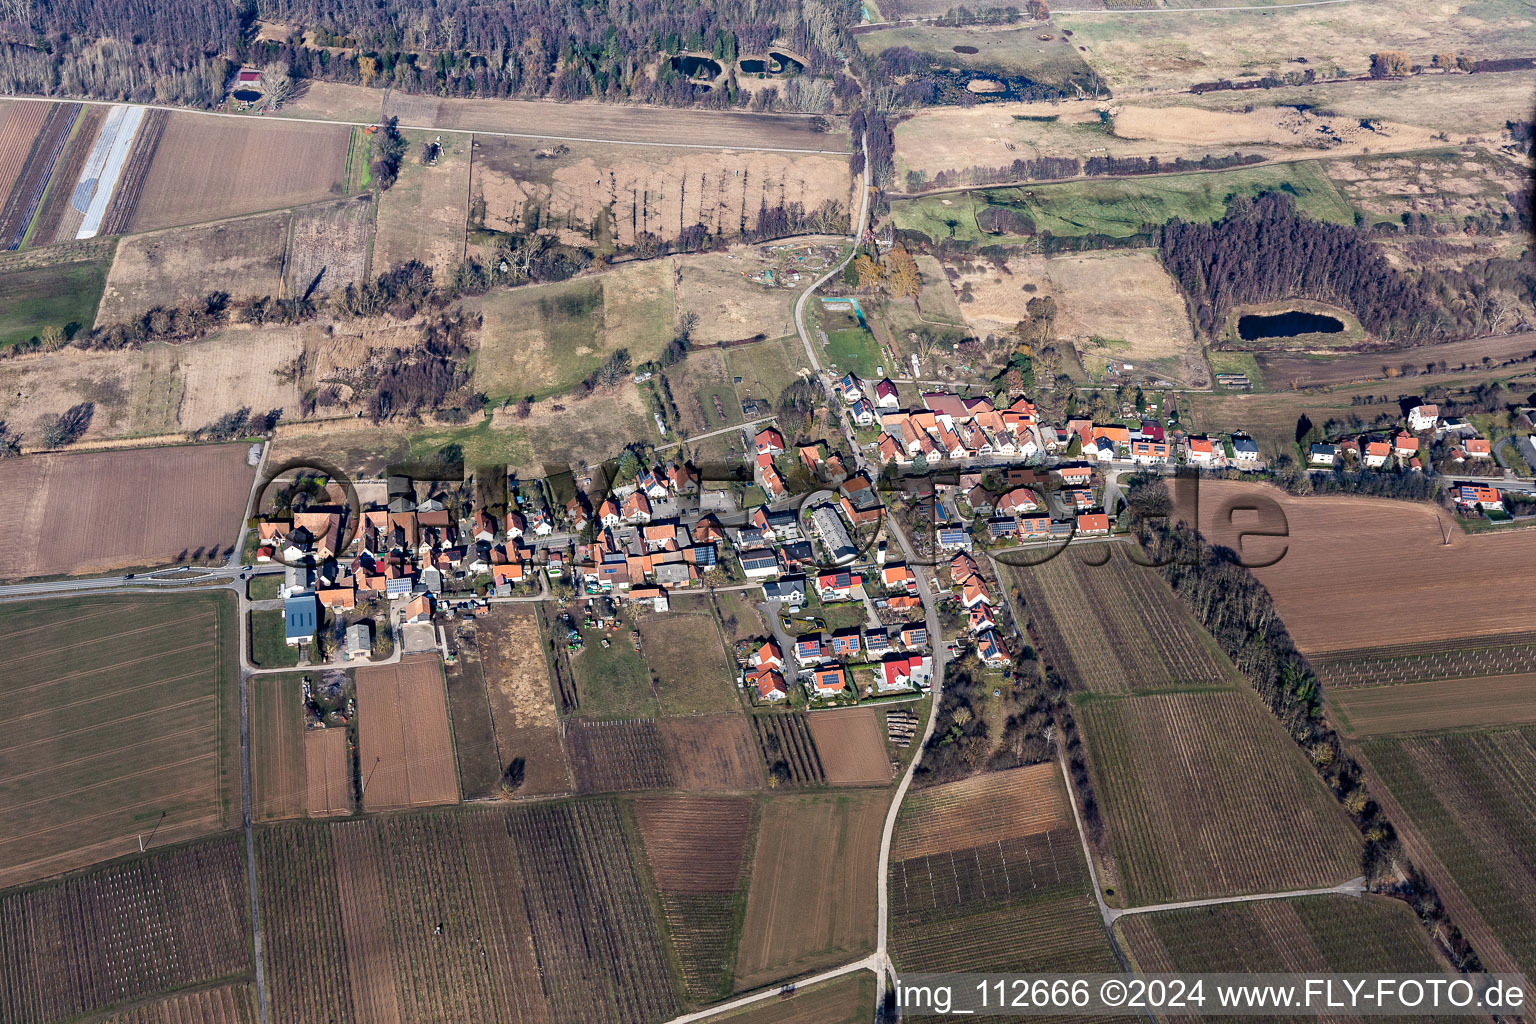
184 51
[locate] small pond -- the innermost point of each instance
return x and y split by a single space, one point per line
1286 325
776 64
247 95
698 67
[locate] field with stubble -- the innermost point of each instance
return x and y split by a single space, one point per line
208 168
117 715
169 268
405 748
106 510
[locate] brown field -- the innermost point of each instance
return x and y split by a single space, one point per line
852 746
172 919
405 748
697 849
57 218
1436 704
223 1004
423 216
305 923
543 919
20 126
1367 547
729 307
328 248
42 153
712 753
811 902
521 702
209 168
130 183
611 195
619 757
118 502
697 682
279 747
985 808
1187 816
1282 370
1505 654
615 121
169 268
846 1000
694 843
118 715
327 772
1140 636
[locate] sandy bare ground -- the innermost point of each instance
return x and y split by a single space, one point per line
598 121
104 510
1377 558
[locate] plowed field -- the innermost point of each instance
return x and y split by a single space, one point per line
405 749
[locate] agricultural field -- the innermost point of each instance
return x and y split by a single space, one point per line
785 739
766 368
1116 627
1437 704
594 193
1281 369
1134 54
118 498
846 1000
1464 804
1334 934
224 1004
1115 207
423 216
327 772
522 705
120 714
712 753
811 901
469 713
38 150
1435 659
705 399
543 339
62 211
688 664
989 807
261 165
62 295
697 851
19 125
405 747
1187 816
614 682
174 918
543 913
328 247
1366 547
279 747
171 268
851 745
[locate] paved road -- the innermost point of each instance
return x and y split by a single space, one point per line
869 963
863 223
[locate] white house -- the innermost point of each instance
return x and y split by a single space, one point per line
1423 417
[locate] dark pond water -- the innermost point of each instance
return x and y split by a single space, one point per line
247 95
776 64
698 67
1286 325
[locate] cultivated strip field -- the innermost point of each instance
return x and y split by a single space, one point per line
1435 659
117 715
277 747
852 747
1330 934
1341 539
328 246
327 772
712 753
811 902
209 168
60 216
846 1000
42 154
786 739
171 919
989 807
697 849
705 753
1466 803
405 748
19 126
531 915
1438 704
119 506
1116 627
223 1004
1190 818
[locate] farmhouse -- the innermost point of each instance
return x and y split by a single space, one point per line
301 619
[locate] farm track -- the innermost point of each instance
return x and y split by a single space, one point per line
130 183
21 205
